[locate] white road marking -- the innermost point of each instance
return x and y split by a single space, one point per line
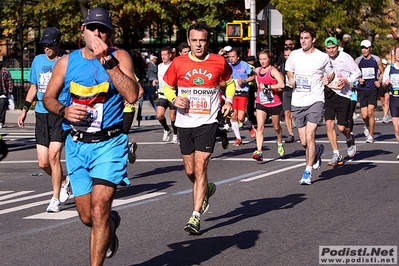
23 207
26 198
62 215
273 172
16 194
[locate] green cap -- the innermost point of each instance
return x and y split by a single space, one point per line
330 41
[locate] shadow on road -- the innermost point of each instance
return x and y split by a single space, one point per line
199 250
256 207
161 170
148 188
343 171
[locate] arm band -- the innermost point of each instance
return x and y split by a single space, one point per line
230 90
26 106
169 93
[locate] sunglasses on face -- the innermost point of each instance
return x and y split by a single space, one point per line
46 45
101 28
364 47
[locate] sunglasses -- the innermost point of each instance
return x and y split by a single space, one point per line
46 45
364 47
101 28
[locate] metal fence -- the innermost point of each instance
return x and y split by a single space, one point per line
19 92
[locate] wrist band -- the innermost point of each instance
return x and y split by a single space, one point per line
109 62
26 106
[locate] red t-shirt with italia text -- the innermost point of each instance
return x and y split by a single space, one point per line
198 80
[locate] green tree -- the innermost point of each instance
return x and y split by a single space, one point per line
361 19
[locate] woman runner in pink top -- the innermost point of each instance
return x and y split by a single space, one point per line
268 101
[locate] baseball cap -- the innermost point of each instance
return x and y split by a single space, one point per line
365 43
227 48
330 41
51 35
384 61
98 15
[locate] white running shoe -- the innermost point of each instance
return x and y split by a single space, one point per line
65 191
317 159
166 135
306 178
175 139
54 206
385 120
351 147
370 139
366 131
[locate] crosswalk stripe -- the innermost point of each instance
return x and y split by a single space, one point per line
5 192
69 214
23 207
26 198
16 194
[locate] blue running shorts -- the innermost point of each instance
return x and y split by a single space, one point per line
105 160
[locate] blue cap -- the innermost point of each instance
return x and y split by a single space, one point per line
98 15
51 35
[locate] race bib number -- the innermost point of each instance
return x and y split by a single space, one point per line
267 97
368 73
93 120
303 82
44 79
198 104
395 80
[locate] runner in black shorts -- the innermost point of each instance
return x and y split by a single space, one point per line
48 129
337 104
367 88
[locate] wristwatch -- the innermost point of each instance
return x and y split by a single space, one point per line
61 112
110 62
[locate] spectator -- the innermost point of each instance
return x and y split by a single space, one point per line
6 87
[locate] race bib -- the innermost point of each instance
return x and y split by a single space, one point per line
93 120
303 82
93 98
198 104
266 98
395 80
368 73
44 79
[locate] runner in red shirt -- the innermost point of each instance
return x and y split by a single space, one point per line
197 76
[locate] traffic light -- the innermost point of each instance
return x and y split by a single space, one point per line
238 29
234 30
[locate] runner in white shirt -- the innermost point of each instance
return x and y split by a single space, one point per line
391 80
163 103
308 70
338 99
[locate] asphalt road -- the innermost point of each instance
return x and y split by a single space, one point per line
259 215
